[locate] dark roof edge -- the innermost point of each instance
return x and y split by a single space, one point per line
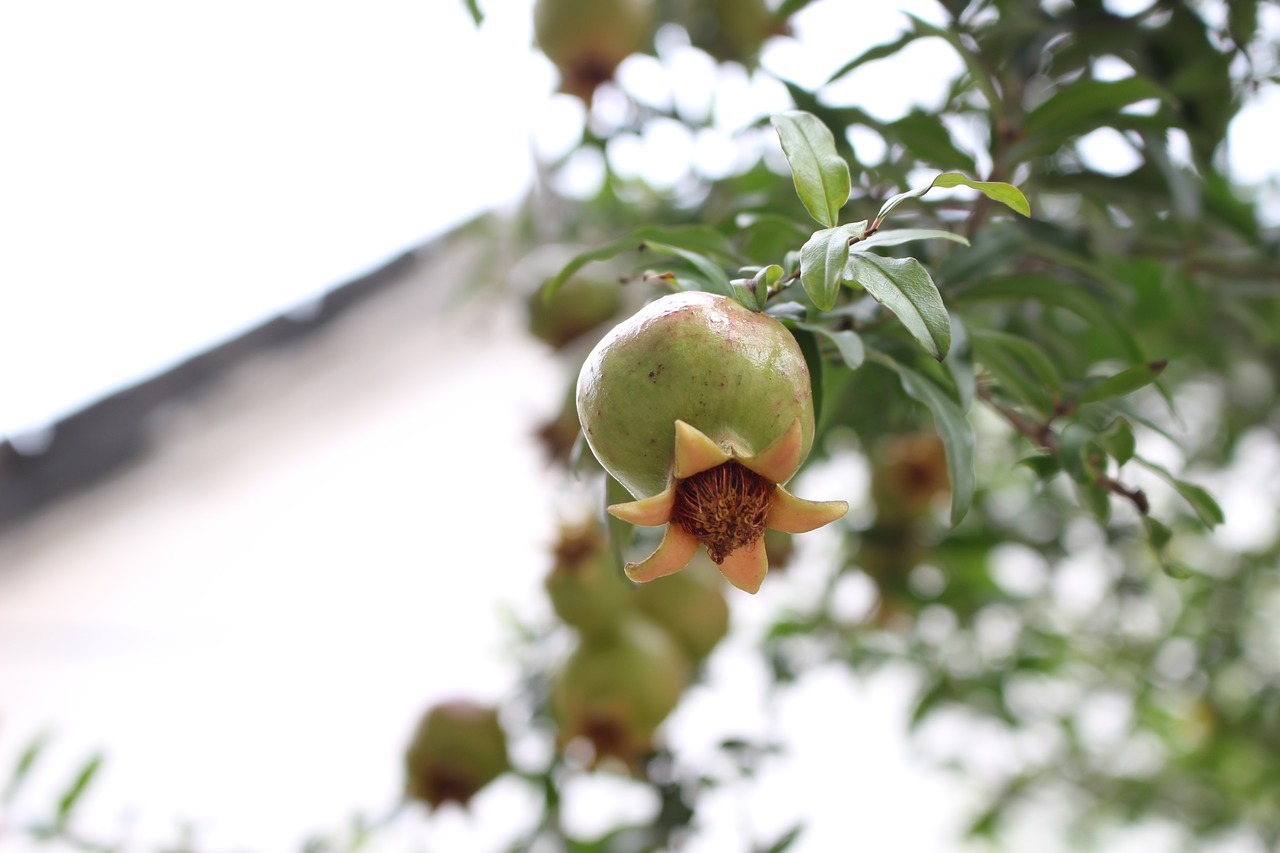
99 439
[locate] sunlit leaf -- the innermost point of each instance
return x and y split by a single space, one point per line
821 175
904 287
1006 194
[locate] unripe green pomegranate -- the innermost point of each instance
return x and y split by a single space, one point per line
702 409
587 39
458 748
577 307
586 590
689 605
729 30
617 688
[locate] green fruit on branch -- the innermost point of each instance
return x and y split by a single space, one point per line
617 688
729 30
587 39
689 605
587 592
458 748
577 307
702 409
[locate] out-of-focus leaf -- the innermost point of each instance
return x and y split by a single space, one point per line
476 14
1043 464
821 175
847 342
1076 104
1158 533
1125 382
872 54
812 359
1061 294
1206 508
926 137
704 242
953 428
1095 499
22 769
711 271
960 363
1077 445
906 235
904 287
822 262
620 533
69 799
1119 441
785 840
1020 366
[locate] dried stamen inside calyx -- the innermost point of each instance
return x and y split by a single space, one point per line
723 507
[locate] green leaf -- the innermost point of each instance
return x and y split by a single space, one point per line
1095 499
79 785
1061 294
813 360
1205 507
1076 447
1044 465
906 235
711 271
785 840
1119 441
960 364
821 175
1158 533
753 292
1125 382
904 287
822 261
22 769
953 428
1006 194
1020 367
705 242
927 139
847 343
1077 105
474 8
872 54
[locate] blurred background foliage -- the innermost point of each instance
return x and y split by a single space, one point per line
1115 647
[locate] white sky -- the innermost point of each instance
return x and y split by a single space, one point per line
171 173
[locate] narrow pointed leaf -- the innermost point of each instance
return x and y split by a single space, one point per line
822 263
1006 194
1205 507
1125 382
711 271
953 428
1119 441
906 235
703 241
22 769
847 342
1073 106
821 175
904 287
1020 366
68 801
473 7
